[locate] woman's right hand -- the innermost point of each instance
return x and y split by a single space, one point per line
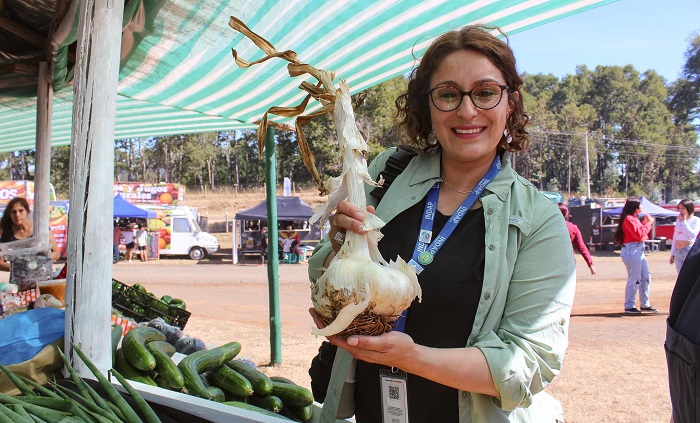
671 260
347 217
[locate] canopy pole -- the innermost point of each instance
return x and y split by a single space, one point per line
272 248
89 276
43 154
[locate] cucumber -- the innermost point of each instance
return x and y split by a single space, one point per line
116 337
134 346
245 406
262 385
292 396
282 380
269 402
165 367
202 361
230 381
303 414
128 371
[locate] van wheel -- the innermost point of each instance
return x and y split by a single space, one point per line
196 253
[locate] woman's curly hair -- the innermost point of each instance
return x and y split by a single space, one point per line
413 106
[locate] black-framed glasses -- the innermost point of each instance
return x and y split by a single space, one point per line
448 98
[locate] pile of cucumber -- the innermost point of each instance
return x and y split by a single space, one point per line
213 374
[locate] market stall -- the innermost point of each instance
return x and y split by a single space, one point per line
291 212
118 81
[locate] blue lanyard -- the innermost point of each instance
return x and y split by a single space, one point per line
426 248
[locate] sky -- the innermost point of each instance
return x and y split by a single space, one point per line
648 34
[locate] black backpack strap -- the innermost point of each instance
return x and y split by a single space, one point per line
396 164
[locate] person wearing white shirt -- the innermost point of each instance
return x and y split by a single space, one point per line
128 235
684 234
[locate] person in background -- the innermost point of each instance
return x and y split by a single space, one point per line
684 234
141 240
576 238
491 330
263 245
117 239
683 340
631 234
128 235
15 225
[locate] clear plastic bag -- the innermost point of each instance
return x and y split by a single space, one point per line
30 262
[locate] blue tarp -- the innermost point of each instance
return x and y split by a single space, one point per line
123 208
647 208
25 334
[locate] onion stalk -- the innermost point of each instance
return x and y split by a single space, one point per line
359 292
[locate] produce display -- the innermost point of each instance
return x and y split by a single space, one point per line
57 403
215 374
137 303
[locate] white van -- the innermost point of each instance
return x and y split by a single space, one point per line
180 233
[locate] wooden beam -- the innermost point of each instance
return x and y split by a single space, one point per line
43 154
22 31
89 275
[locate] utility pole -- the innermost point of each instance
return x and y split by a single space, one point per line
588 170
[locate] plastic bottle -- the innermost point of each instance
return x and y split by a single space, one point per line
9 288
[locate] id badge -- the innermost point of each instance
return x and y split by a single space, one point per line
394 396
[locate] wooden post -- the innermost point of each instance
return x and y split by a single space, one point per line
43 154
272 248
89 279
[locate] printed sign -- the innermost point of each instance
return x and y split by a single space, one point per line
137 192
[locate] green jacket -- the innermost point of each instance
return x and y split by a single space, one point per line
521 323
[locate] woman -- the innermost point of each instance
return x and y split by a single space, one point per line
491 330
141 240
684 234
577 239
15 225
631 233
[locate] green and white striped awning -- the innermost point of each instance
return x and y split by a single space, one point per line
180 76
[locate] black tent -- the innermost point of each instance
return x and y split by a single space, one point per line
288 208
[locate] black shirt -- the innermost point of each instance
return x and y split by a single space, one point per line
451 287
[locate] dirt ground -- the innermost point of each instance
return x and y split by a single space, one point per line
614 370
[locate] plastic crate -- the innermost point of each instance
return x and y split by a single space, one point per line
143 307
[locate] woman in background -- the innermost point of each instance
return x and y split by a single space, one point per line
576 238
15 225
684 234
631 233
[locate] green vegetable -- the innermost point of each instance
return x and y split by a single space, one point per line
202 361
114 396
117 332
302 414
249 407
141 403
282 380
296 396
130 372
85 390
269 402
166 369
134 346
23 387
262 385
230 381
9 416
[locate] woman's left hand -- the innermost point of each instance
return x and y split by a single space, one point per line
390 349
